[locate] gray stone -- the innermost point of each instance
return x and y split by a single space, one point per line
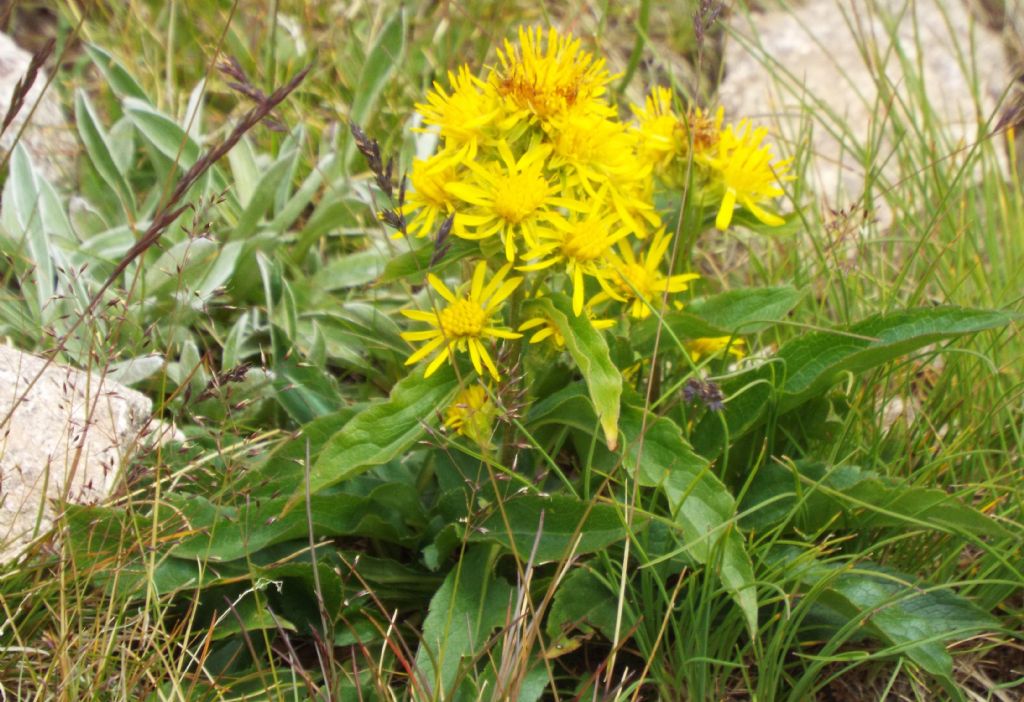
40 124
833 54
64 436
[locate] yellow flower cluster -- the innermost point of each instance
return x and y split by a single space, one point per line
535 165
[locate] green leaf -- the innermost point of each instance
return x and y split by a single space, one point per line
163 133
747 310
466 608
814 362
551 528
894 607
249 615
809 365
744 311
99 150
120 80
181 267
304 390
22 218
229 533
384 430
351 271
415 263
581 602
589 350
817 497
382 60
263 196
107 543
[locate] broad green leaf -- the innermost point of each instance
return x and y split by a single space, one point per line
301 199
470 604
249 615
352 270
245 172
108 543
816 497
747 310
558 527
304 390
99 150
581 602
229 533
118 77
415 264
917 621
736 312
338 212
809 365
180 267
384 430
570 406
382 59
589 350
163 133
815 361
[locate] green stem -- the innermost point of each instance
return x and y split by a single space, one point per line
515 306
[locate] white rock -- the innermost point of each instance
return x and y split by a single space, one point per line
47 136
64 436
834 54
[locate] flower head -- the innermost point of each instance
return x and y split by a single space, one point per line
661 132
472 415
467 116
508 198
429 197
545 78
744 171
463 322
668 139
640 282
581 242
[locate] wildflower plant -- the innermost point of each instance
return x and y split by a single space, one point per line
553 436
569 294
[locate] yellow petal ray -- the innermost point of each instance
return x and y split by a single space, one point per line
440 287
486 359
424 351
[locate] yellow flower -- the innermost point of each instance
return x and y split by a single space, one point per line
464 322
582 243
640 282
662 133
665 137
547 80
743 170
597 149
710 346
510 197
547 329
466 117
429 197
596 152
472 415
